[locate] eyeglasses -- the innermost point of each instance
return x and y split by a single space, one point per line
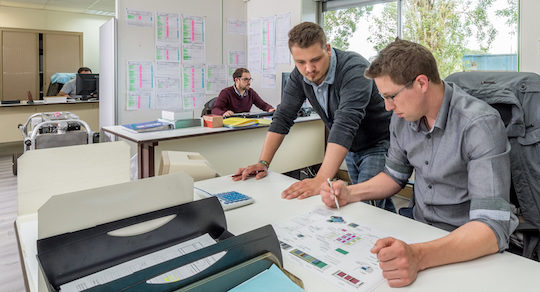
246 79
391 97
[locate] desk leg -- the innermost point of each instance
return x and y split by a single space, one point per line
146 159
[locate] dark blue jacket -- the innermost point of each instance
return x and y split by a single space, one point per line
356 117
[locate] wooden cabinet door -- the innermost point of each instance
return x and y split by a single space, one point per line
62 53
20 65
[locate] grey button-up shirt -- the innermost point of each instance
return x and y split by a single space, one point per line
462 166
321 90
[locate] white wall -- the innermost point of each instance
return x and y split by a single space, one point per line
61 21
137 43
301 10
530 36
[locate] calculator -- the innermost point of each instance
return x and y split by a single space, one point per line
231 200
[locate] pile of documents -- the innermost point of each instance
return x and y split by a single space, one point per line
239 122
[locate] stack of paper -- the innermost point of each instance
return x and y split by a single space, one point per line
184 123
148 126
239 122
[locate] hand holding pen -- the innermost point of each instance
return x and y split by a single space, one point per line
333 193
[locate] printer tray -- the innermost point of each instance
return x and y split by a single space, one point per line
232 277
70 256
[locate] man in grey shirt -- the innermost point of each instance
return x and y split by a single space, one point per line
69 89
457 146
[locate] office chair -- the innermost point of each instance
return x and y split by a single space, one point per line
208 106
516 95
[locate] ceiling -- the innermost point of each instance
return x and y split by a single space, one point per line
95 7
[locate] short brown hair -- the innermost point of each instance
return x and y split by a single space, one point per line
82 69
403 61
238 73
305 34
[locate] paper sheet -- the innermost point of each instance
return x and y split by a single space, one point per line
333 246
268 81
140 75
140 85
237 58
236 26
132 266
283 25
169 69
216 78
167 84
268 31
193 100
193 30
171 101
193 79
139 18
270 280
193 54
168 52
167 27
268 60
139 100
254 45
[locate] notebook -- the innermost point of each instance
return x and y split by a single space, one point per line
239 122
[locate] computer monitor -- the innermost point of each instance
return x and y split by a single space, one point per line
284 79
87 86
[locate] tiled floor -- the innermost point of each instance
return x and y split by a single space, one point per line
11 278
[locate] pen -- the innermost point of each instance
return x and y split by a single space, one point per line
331 188
251 174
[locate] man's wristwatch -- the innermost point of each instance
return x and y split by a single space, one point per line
265 163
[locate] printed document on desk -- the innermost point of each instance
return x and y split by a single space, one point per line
151 259
336 247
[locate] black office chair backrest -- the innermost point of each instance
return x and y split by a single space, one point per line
54 88
516 95
208 106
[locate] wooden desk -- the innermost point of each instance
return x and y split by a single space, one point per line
228 149
11 115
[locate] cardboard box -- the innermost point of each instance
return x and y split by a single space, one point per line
213 121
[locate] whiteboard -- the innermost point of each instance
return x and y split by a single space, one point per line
138 42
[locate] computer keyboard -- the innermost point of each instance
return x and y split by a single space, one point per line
230 200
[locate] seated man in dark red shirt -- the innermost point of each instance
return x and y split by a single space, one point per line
240 97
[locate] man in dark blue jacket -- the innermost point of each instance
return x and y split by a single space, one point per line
349 104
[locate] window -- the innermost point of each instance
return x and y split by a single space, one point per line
463 35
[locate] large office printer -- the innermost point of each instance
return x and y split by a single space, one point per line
108 252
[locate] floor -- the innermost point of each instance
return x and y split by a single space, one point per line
11 278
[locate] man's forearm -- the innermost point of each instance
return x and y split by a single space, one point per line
333 157
472 240
379 187
271 145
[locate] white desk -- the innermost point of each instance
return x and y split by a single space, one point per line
498 272
229 149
